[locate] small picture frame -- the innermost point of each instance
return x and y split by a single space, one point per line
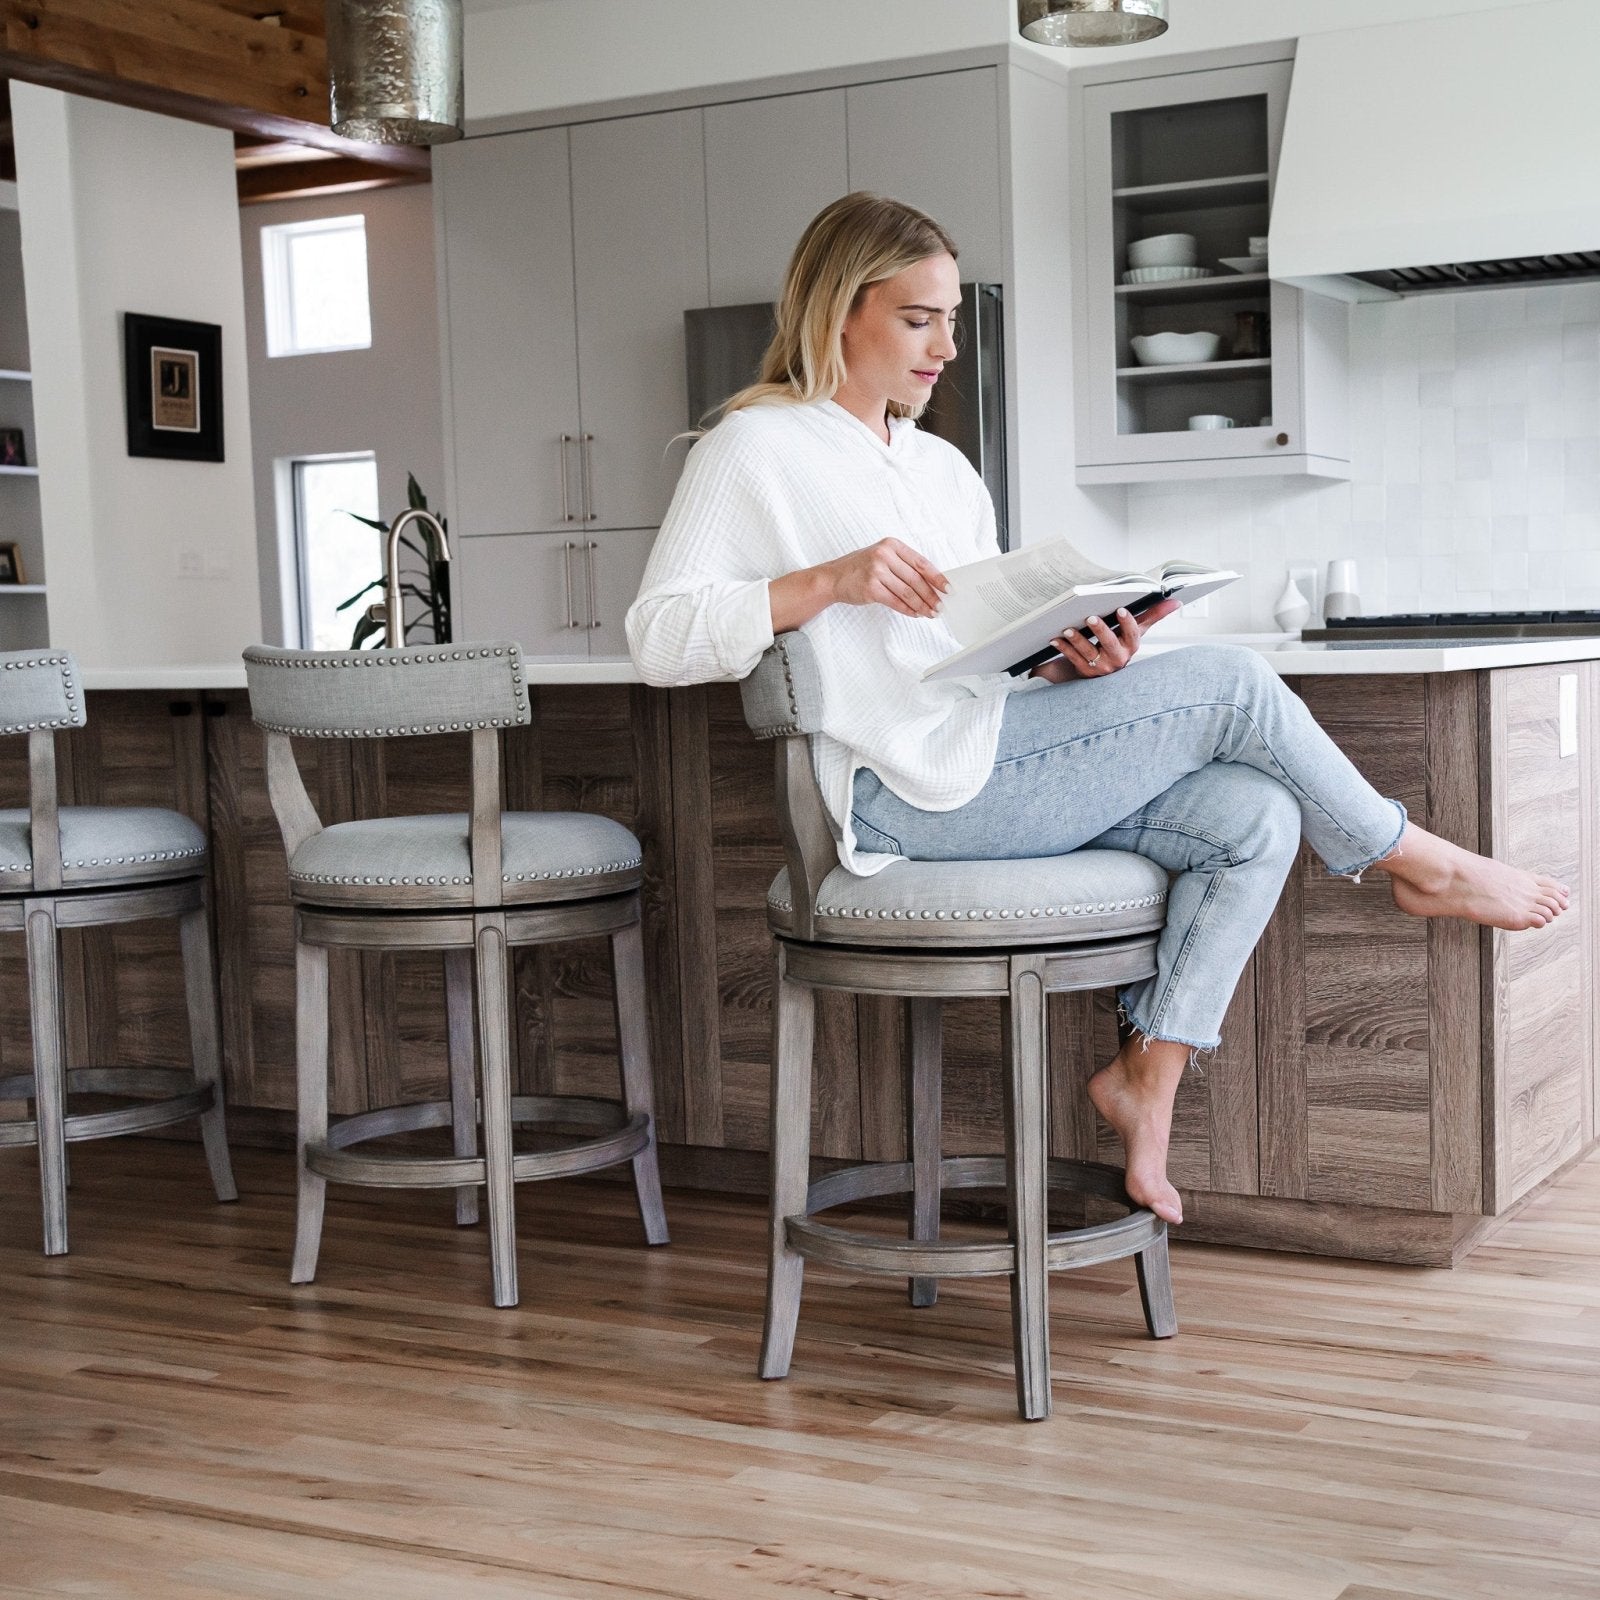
11 562
13 453
172 372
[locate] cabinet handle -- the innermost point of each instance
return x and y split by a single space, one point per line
566 564
588 557
589 512
566 507
1282 438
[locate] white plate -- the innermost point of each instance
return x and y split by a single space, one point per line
1244 263
1166 274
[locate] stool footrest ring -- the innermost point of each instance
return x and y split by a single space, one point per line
620 1137
1070 1247
170 1095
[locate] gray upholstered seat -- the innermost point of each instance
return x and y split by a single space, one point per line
86 867
475 886
544 855
1091 894
105 845
925 932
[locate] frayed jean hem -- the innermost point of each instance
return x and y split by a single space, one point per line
1156 1036
1354 873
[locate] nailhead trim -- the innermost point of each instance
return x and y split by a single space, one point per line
1099 909
380 658
188 854
74 717
354 879
793 724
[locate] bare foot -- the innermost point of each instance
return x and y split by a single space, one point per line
1134 1094
1434 878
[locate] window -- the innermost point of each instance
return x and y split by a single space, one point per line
336 554
314 278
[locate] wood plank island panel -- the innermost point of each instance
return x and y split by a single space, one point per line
1363 1101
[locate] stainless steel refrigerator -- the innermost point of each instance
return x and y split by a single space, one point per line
725 345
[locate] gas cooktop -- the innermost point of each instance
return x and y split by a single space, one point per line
1462 625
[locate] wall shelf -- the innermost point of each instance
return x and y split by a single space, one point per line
1243 190
1225 286
13 375
21 588
1196 371
20 472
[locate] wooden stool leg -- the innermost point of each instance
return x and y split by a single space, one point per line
1026 1183
200 996
463 1073
1155 1289
924 1134
494 1050
49 1070
793 1029
311 1101
638 1093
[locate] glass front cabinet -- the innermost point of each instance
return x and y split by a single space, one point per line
1255 383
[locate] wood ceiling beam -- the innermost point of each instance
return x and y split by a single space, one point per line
335 175
254 67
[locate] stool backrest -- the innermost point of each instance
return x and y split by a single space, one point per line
783 700
39 693
390 694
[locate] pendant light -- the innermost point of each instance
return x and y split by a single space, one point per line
1087 22
395 67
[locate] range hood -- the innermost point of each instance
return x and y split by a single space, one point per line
1452 152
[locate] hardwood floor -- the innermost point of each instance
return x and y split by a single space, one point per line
176 1421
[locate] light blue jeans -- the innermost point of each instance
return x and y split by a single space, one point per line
1198 758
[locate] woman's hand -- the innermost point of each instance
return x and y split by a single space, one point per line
1083 658
887 573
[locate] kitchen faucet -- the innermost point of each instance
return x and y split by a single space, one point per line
390 610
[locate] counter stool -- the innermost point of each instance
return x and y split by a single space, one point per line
474 886
1019 930
89 867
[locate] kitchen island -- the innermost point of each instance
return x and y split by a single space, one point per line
1386 1087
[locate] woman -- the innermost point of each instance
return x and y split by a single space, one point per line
817 503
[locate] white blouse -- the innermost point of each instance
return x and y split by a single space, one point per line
774 488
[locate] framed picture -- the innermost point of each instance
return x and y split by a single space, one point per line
12 453
11 563
173 376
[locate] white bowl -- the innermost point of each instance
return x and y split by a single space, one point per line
1174 349
1164 250
1166 274
1244 263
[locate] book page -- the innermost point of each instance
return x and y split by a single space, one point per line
987 596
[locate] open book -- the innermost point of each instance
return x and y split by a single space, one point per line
1006 609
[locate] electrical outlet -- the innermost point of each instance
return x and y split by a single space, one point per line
189 564
1197 608
1306 576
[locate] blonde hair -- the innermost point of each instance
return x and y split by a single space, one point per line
847 247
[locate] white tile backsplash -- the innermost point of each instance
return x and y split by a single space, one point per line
1475 437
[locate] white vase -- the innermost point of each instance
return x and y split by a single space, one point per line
1291 611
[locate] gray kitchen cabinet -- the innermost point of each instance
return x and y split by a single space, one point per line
505 226
556 594
934 142
522 586
612 571
639 249
771 165
569 257
1195 152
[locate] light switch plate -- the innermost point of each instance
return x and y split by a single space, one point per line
1567 713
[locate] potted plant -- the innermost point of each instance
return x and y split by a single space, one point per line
430 586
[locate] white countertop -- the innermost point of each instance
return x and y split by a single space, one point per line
1286 653
1290 656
